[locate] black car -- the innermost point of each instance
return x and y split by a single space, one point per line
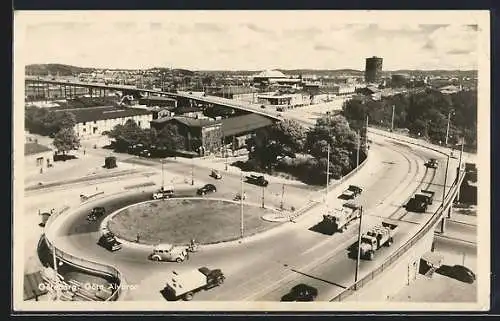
301 293
463 274
109 242
206 189
96 213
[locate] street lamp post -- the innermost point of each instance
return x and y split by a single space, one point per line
447 129
327 176
392 120
445 178
192 171
263 193
359 245
366 134
357 152
282 195
241 206
162 174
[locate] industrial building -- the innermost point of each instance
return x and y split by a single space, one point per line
373 70
207 135
275 77
93 121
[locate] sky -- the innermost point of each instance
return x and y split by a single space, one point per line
248 40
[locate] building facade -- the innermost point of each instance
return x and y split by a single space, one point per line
373 70
94 121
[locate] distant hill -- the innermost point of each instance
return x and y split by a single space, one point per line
67 70
55 69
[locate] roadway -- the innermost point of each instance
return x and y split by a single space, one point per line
257 271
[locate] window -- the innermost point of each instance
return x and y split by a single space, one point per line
139 123
84 123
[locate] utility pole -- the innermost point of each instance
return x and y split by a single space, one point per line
263 192
460 167
357 153
447 129
359 245
192 171
366 133
56 275
327 176
282 194
445 177
241 206
162 177
392 121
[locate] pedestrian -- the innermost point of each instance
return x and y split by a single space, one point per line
138 238
84 151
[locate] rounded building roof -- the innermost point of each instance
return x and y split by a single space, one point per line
271 74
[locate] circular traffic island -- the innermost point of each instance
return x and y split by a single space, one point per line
177 221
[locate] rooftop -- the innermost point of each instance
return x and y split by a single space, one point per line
157 98
240 124
34 148
188 121
270 74
103 112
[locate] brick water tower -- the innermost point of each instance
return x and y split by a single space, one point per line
373 70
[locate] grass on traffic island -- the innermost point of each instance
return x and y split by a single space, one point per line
178 221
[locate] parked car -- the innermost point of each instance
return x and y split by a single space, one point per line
109 242
145 153
164 192
215 174
301 293
206 189
432 163
96 213
463 274
169 253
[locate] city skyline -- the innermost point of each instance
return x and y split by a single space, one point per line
217 41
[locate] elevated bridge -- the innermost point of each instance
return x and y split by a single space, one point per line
132 90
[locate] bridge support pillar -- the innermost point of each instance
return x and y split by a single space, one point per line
449 212
443 225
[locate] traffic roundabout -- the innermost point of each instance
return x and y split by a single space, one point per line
180 220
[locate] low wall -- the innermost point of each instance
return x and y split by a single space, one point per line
404 249
78 262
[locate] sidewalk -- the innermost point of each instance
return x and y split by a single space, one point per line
465 157
219 164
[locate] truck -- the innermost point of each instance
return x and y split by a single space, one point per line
338 219
418 203
429 195
184 286
257 180
351 192
378 236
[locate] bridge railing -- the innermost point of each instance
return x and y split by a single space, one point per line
409 244
79 262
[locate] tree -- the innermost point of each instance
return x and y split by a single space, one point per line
333 131
66 140
290 134
126 135
170 138
65 119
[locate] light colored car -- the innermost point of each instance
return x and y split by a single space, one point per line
166 192
169 253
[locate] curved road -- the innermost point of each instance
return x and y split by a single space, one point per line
267 267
